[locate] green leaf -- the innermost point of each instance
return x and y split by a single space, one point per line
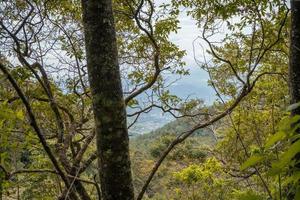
292 179
297 195
293 106
294 119
253 160
248 195
288 155
275 138
20 114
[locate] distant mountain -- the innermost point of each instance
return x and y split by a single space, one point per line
148 122
193 86
155 142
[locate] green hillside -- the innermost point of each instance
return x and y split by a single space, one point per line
147 148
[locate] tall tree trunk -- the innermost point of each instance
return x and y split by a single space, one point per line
294 67
1 183
2 173
108 103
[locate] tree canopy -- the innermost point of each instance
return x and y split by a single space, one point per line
76 77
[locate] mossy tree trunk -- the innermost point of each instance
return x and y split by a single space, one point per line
108 103
1 183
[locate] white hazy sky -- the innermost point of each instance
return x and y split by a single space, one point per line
196 83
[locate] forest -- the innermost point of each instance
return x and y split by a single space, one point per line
81 79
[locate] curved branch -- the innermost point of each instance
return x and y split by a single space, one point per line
220 58
35 126
32 171
156 54
185 135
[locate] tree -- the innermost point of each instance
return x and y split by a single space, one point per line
58 94
47 82
108 102
294 68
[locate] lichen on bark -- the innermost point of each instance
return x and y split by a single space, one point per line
108 103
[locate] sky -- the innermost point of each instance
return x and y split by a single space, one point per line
196 83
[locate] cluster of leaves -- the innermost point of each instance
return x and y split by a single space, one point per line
281 162
20 148
206 180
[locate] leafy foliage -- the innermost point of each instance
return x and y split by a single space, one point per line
247 155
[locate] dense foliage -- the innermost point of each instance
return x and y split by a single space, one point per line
242 147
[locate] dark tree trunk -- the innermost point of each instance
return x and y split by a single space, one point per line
294 68
1 183
108 102
2 172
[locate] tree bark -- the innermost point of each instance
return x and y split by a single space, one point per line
108 102
294 66
1 183
294 70
2 173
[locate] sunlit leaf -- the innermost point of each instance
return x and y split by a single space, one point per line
275 138
20 114
253 160
286 158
